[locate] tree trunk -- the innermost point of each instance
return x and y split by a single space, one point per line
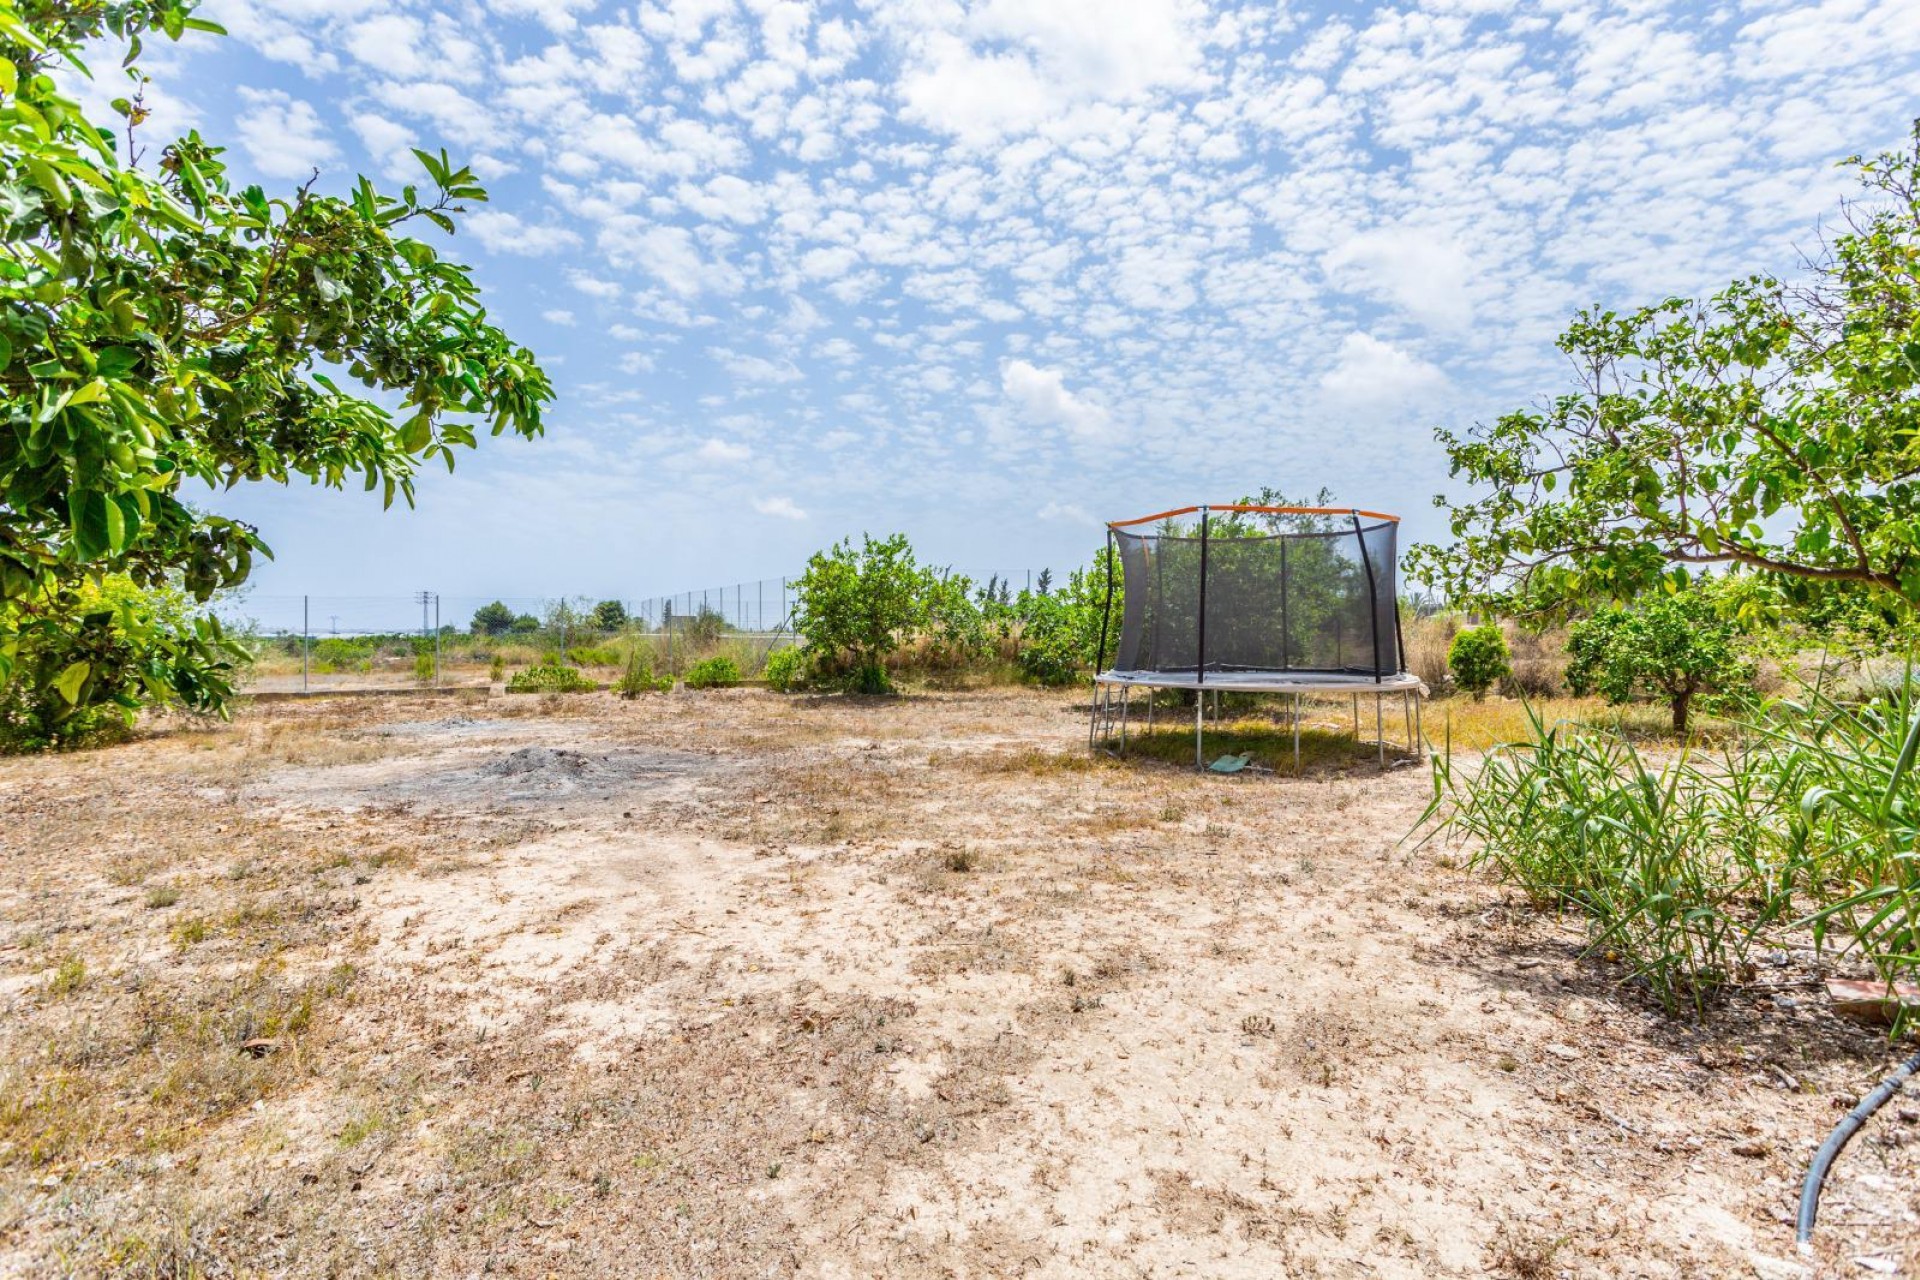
1681 702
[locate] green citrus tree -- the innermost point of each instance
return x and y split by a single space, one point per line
1775 425
160 330
854 606
1675 646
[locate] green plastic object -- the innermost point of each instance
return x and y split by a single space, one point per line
1229 764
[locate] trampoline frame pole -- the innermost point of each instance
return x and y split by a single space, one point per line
1373 595
1200 657
1286 635
1296 734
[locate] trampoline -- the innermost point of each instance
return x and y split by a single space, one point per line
1298 601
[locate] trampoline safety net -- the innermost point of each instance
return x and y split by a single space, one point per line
1226 590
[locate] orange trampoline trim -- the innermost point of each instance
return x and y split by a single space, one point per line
1272 511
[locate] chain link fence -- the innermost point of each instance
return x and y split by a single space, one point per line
310 642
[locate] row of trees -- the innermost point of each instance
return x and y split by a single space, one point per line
496 619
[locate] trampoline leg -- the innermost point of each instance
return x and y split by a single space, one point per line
1125 690
1419 732
1379 730
1356 717
1150 701
1296 734
1406 713
1199 732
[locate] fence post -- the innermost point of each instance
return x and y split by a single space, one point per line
436 639
306 645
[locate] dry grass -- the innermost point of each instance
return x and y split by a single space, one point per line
890 986
1477 725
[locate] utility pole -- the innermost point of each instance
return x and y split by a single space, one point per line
436 639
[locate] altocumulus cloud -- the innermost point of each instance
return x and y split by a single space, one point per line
919 257
1042 396
784 508
1376 374
717 450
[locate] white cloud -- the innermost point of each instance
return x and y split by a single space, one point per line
1008 65
555 15
756 370
723 451
283 135
505 233
388 42
1042 396
557 316
1370 373
783 508
593 286
1071 513
1419 269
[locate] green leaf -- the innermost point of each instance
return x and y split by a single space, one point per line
115 362
6 352
417 433
70 681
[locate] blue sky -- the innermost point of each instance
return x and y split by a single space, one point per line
992 273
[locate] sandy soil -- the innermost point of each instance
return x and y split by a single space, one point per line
730 984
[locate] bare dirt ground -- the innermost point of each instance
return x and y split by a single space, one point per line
730 984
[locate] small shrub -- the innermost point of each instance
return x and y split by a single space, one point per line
68 978
786 670
497 669
601 655
343 652
638 678
550 678
713 673
162 896
1478 657
423 668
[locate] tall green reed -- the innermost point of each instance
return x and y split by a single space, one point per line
1662 858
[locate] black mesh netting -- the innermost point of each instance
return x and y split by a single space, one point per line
1306 594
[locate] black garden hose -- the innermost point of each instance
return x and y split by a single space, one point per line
1841 1135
